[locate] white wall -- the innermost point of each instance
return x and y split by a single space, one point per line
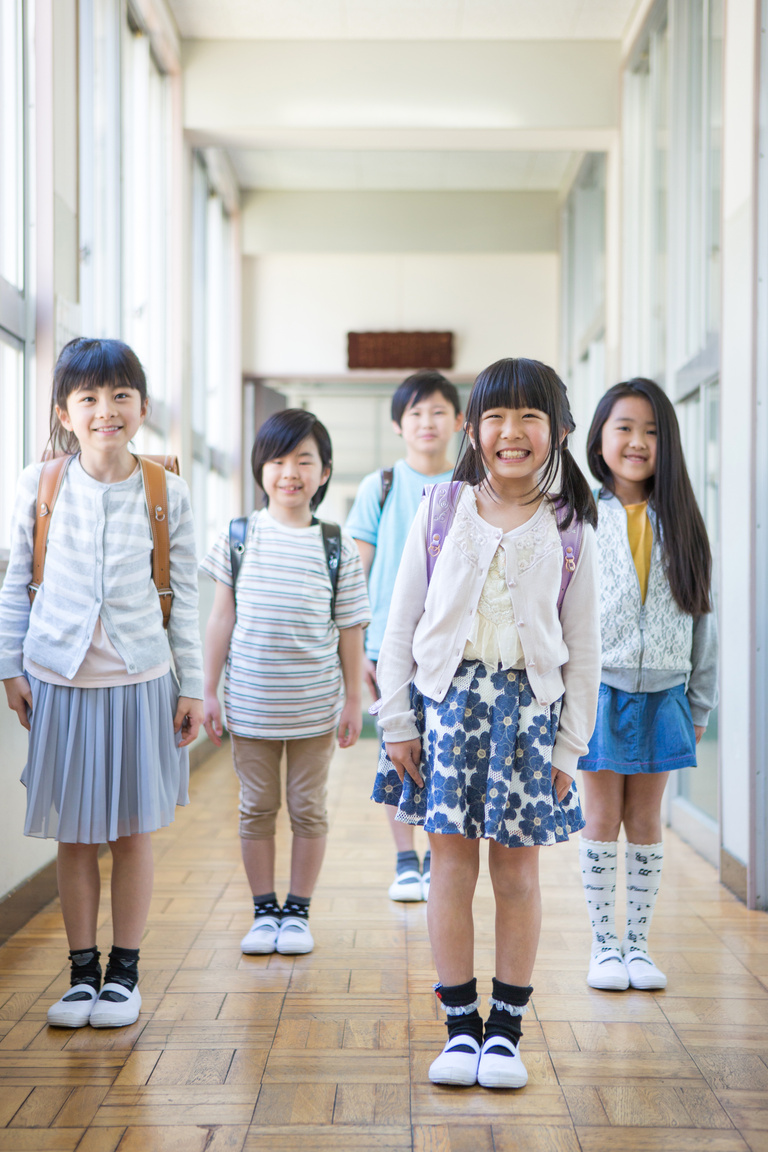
298 309
737 621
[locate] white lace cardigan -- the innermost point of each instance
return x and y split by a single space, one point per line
428 627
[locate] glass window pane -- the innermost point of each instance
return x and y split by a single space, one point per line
11 431
11 143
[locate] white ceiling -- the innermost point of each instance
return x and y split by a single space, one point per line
412 171
403 19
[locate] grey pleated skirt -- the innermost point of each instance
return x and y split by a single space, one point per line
103 762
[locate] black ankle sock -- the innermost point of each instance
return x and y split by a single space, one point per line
461 996
266 905
503 1023
85 967
296 906
407 861
122 968
426 863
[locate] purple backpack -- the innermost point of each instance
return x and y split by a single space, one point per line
443 501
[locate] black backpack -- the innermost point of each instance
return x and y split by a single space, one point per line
238 530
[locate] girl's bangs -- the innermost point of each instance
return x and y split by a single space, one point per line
513 384
98 363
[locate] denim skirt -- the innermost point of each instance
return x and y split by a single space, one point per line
486 762
103 762
641 732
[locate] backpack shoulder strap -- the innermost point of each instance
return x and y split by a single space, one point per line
156 495
51 477
387 479
570 539
238 530
443 502
331 534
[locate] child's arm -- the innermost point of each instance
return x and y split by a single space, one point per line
367 555
184 625
702 685
14 597
218 634
19 695
580 619
351 658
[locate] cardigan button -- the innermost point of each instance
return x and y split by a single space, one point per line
521 623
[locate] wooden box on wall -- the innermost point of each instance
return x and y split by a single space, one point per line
399 350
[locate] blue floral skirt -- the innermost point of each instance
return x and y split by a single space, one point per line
486 762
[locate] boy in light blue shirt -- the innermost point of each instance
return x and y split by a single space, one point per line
426 412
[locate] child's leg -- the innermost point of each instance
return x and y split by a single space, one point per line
132 878
308 761
257 763
406 886
77 871
644 859
515 878
79 887
455 866
604 804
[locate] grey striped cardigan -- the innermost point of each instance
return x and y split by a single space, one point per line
98 563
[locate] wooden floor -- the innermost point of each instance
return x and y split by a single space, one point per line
330 1051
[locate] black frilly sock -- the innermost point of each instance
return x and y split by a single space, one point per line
266 905
466 1023
296 906
122 968
85 968
407 861
501 1022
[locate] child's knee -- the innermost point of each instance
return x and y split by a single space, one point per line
256 824
309 820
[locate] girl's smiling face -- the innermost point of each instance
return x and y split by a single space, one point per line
104 417
515 443
628 445
290 481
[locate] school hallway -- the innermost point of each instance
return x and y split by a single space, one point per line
331 1050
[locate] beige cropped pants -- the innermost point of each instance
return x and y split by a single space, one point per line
257 763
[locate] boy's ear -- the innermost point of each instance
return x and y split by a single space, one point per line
459 422
325 476
396 428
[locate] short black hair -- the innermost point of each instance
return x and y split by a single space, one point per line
417 387
86 362
282 433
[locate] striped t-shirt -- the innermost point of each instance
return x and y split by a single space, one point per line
283 676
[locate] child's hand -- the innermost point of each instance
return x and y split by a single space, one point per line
212 719
699 732
350 724
561 783
406 757
188 718
19 695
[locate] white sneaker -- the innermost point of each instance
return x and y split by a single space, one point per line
607 972
294 937
501 1069
642 973
457 1063
124 1009
407 887
75 1007
261 937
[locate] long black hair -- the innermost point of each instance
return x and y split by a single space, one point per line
90 363
685 550
283 432
518 383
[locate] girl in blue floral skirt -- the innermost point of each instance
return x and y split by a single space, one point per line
489 678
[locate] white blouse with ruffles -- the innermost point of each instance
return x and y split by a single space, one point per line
494 638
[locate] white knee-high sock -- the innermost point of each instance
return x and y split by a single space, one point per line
644 863
598 876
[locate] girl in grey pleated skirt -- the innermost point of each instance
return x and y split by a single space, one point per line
103 762
85 660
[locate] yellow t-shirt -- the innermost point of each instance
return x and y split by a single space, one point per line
640 535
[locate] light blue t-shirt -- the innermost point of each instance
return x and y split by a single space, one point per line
386 528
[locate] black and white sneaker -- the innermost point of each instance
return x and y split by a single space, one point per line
116 1007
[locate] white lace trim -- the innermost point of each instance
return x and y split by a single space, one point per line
494 638
513 1009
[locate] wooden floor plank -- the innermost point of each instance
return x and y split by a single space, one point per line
331 1051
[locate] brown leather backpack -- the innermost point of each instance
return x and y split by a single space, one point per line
153 469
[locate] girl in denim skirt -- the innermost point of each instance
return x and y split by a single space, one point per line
659 678
489 679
